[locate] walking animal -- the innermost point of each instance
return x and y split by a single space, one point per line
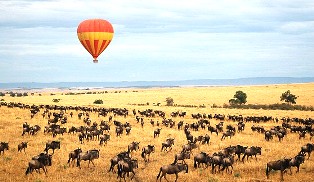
172 169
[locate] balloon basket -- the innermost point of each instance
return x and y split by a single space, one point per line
95 61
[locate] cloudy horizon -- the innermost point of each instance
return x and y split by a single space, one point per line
157 40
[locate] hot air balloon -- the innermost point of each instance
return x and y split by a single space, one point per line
95 35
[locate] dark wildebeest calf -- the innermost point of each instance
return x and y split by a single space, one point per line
3 146
22 146
157 132
172 169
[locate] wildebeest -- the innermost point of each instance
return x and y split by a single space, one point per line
127 166
217 161
277 165
240 150
74 154
268 136
228 133
172 169
3 146
157 132
119 130
296 162
104 138
115 160
168 144
308 148
21 146
146 151
212 129
201 158
128 130
133 146
89 155
52 145
206 139
226 162
254 150
38 162
181 156
189 147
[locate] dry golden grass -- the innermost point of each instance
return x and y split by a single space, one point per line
13 164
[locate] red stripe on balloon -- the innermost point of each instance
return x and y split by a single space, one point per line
89 47
96 47
102 47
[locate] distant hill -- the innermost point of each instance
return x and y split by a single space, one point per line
147 84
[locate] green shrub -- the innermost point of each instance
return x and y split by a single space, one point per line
98 101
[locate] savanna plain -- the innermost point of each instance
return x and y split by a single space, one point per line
13 164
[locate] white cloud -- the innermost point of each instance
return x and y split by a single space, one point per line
155 39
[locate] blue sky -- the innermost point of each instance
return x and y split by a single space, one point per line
157 40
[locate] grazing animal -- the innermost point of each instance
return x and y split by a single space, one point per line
157 132
240 150
52 145
3 146
74 154
201 158
268 136
115 160
22 146
277 165
212 129
133 146
119 131
226 162
308 148
228 133
168 144
206 139
280 136
146 151
127 166
217 161
104 139
296 162
38 162
189 147
254 150
181 156
172 169
89 155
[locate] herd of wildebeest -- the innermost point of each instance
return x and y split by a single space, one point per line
123 163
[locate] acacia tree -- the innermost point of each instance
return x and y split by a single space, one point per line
169 101
238 98
288 97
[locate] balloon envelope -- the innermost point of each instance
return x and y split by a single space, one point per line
95 35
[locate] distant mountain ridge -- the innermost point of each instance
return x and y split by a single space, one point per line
148 84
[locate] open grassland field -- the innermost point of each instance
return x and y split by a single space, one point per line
13 164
